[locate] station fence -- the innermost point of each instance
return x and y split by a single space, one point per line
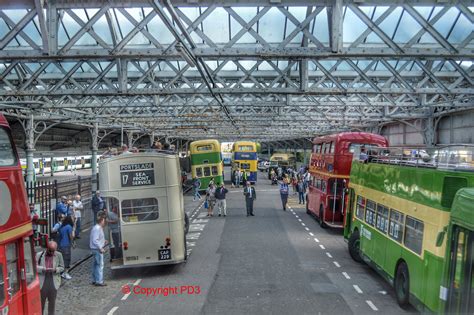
46 194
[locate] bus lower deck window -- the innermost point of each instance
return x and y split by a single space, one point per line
207 171
137 210
214 171
199 172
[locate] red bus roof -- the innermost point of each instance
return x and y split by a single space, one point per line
353 136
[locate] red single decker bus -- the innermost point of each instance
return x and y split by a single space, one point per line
329 167
19 284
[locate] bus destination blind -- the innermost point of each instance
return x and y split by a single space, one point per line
139 174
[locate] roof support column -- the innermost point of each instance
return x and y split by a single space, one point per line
335 26
95 148
52 14
30 149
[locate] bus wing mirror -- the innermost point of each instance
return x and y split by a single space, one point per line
440 237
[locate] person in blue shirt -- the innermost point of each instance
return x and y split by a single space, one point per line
66 236
61 207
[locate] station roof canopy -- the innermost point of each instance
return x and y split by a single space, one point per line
266 70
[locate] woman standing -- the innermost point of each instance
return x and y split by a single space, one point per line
284 190
210 199
66 236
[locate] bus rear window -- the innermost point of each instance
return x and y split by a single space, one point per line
207 147
7 156
246 148
138 210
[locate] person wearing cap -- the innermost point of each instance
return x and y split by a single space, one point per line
98 204
62 207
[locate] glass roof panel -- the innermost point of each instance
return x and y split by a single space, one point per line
407 28
246 13
68 27
444 24
390 23
216 26
16 15
462 29
271 26
353 27
193 13
378 12
101 28
424 11
321 28
157 28
300 14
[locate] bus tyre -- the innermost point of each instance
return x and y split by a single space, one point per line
354 246
321 219
402 284
186 224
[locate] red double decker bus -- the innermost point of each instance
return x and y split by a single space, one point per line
19 284
329 167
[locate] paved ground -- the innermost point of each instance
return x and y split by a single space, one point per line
276 262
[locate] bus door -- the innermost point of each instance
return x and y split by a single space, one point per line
336 198
13 278
461 265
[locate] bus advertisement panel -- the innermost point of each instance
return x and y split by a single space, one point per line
19 284
410 217
206 162
244 157
329 168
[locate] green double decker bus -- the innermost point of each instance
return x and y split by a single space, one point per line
206 162
411 218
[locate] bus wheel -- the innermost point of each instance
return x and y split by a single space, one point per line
354 246
321 219
186 224
402 284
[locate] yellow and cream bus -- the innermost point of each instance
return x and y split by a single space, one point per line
146 190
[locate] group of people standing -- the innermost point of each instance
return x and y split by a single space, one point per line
240 177
299 180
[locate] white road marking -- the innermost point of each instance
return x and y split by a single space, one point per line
328 254
303 224
306 229
297 216
86 230
356 287
112 310
128 294
311 234
346 275
337 264
316 240
322 246
372 306
300 220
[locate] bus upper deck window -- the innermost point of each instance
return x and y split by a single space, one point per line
214 171
207 171
7 157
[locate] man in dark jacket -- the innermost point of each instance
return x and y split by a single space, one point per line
220 199
98 204
250 196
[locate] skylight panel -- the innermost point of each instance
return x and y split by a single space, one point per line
216 26
271 27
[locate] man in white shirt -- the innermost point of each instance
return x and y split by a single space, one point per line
77 207
97 245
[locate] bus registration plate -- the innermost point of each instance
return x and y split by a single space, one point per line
164 254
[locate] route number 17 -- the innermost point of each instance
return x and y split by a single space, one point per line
124 179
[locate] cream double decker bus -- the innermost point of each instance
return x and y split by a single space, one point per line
146 191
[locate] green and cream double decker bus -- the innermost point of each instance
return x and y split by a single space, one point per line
411 218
